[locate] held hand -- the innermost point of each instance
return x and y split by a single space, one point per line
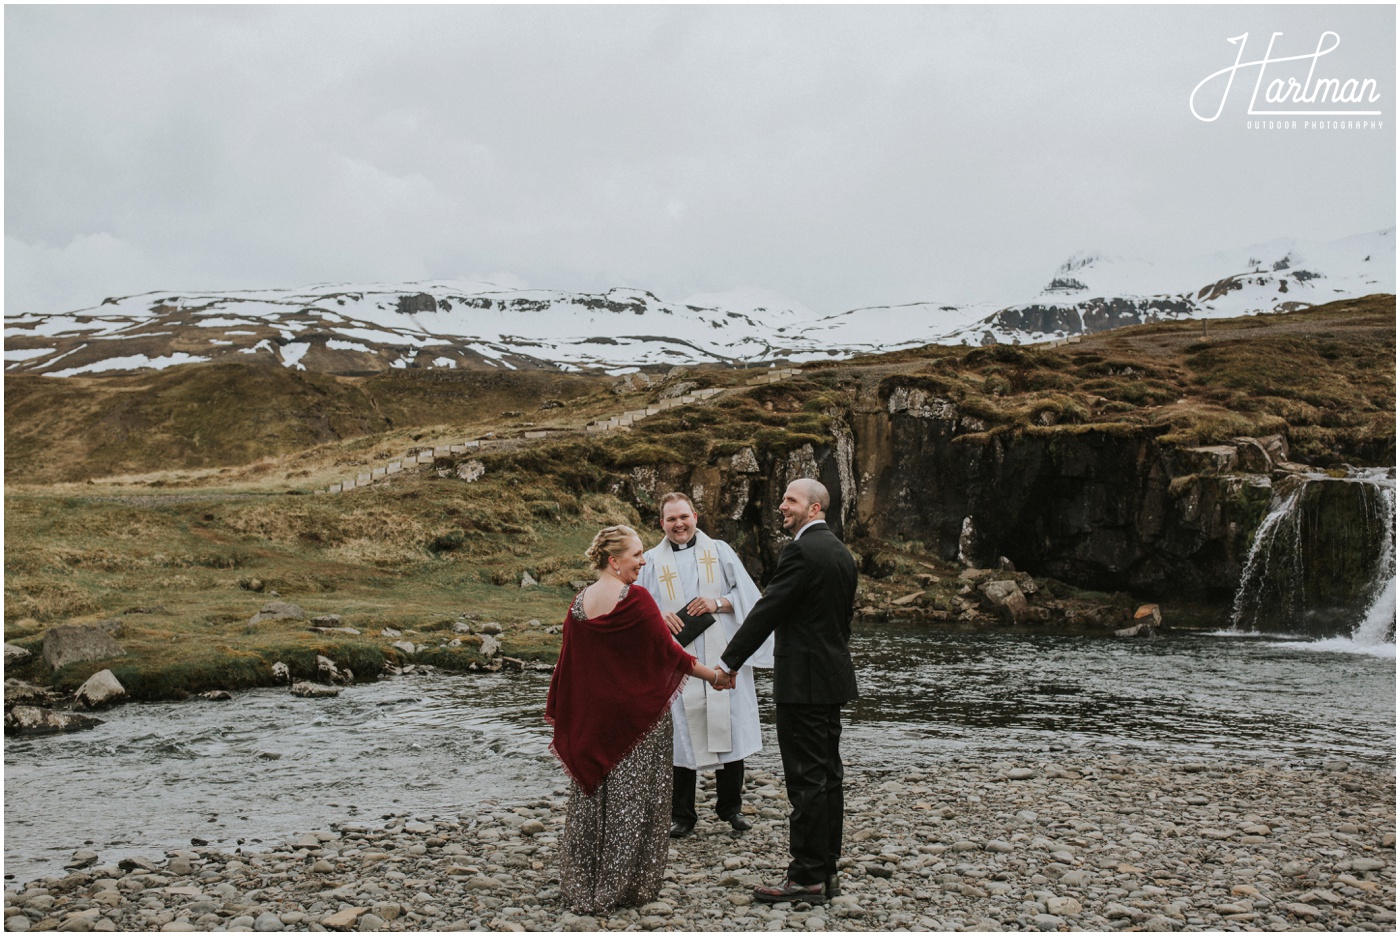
723 680
674 623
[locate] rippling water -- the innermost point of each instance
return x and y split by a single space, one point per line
269 765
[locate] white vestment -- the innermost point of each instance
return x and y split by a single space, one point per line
702 737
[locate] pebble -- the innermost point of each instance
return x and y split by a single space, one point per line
1089 843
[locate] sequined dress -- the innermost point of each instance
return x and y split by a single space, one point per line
614 847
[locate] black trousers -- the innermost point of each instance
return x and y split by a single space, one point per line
729 783
809 739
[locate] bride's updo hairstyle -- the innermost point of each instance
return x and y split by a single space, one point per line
610 541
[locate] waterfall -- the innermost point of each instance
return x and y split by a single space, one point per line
1323 560
1378 626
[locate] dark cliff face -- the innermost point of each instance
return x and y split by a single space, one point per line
1108 507
1100 509
1091 315
1095 508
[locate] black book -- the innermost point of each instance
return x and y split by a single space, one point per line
694 626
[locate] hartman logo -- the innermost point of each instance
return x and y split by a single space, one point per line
1288 85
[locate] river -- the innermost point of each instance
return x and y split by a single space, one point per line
268 765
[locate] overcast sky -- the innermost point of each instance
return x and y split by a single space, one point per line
840 156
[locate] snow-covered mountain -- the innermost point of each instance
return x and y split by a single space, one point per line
367 328
1092 292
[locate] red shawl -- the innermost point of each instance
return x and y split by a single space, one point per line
615 679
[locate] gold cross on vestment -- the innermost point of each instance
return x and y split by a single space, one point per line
668 575
708 560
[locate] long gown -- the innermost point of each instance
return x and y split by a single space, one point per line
615 842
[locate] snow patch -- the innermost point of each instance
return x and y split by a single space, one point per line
293 352
27 354
131 362
225 322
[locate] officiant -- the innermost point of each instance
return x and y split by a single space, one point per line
704 594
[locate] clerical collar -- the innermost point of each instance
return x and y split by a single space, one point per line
689 545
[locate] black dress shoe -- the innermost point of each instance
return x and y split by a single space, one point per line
739 824
681 829
790 890
833 885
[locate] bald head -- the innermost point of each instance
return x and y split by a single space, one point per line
804 501
814 491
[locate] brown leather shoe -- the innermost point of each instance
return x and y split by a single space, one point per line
790 890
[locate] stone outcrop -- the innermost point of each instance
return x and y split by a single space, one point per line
15 654
28 719
327 671
278 611
311 690
78 644
1091 315
19 692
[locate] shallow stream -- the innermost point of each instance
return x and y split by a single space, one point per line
267 765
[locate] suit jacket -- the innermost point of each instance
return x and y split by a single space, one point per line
808 608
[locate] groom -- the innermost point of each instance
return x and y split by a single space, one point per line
808 608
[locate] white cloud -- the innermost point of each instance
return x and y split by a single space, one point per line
844 156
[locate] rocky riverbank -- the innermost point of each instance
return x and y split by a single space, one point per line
1080 843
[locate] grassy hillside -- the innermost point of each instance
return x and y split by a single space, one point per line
1325 377
218 415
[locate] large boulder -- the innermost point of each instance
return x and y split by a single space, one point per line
101 690
278 611
26 719
78 644
1007 598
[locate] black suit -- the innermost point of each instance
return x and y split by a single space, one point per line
808 607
